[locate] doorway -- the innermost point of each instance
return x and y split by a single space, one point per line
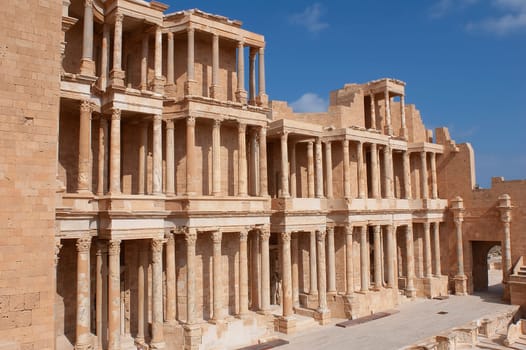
487 267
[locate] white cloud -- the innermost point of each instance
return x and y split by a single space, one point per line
311 18
310 102
442 7
512 19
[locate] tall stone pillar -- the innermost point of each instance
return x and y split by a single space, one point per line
117 75
410 290
310 169
349 270
263 186
388 128
170 76
103 156
82 329
262 99
457 207
255 273
157 341
295 270
143 144
243 273
362 187
403 129
242 160
252 76
142 295
170 158
191 83
373 111
364 260
292 170
286 271
423 178
216 158
375 172
391 256
313 277
319 169
144 61
434 185
84 168
157 177
104 57
505 208
87 65
115 152
389 172
191 238
428 272
436 240
214 88
241 93
171 301
328 167
158 82
346 170
58 247
407 175
114 295
217 272
101 296
378 280
284 166
191 163
324 312
331 286
265 270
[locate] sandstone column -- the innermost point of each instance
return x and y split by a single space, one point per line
102 168
214 88
157 177
388 127
170 158
410 254
142 294
286 275
436 239
457 207
252 76
391 256
104 57
243 273
328 166
242 160
362 188
378 280
284 166
191 83
349 275
505 217
158 81
423 178
117 75
83 184
115 152
143 144
217 274
375 172
87 65
427 249
144 61
157 341
170 279
255 273
262 97
313 290
191 164
82 329
403 129
114 296
319 169
407 175
434 187
170 77
216 158
389 172
310 169
263 187
373 112
322 287
191 238
295 271
241 93
265 270
331 286
346 170
292 170
101 292
364 260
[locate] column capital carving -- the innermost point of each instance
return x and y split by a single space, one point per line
318 141
86 106
242 128
320 235
265 234
217 123
243 235
157 117
119 17
427 225
169 239
157 250
348 228
261 51
262 130
190 237
241 43
83 244
330 230
190 121
190 30
115 114
169 124
58 247
114 247
285 237
217 236
170 35
88 3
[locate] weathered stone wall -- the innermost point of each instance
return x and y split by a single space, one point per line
30 36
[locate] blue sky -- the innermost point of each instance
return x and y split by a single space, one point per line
464 62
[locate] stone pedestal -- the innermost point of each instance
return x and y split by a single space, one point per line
461 285
241 96
323 316
158 85
262 100
87 67
117 78
191 88
287 325
192 337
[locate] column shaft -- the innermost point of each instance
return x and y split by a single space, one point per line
378 280
144 61
190 74
82 329
142 294
436 239
263 186
434 187
101 292
87 66
391 256
349 270
388 127
364 259
403 131
157 177
310 169
242 160
157 294
265 271
216 158
407 175
217 274
286 275
243 273
374 172
388 164
322 286
460 248
284 166
423 178
295 271
410 253
191 237
362 187
102 157
170 279
331 286
252 75
117 42
83 184
143 142
104 57
170 78
427 250
328 167
262 97
115 152
114 296
170 157
319 169
313 277
158 82
241 94
292 170
346 170
373 112
191 164
215 66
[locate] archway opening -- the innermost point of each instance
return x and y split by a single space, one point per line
487 267
494 259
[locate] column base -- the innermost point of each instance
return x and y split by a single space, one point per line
170 89
287 325
117 78
323 316
191 88
262 100
403 132
158 85
388 130
241 96
215 92
192 336
83 346
410 293
461 285
87 67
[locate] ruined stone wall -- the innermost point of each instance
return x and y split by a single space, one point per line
30 35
